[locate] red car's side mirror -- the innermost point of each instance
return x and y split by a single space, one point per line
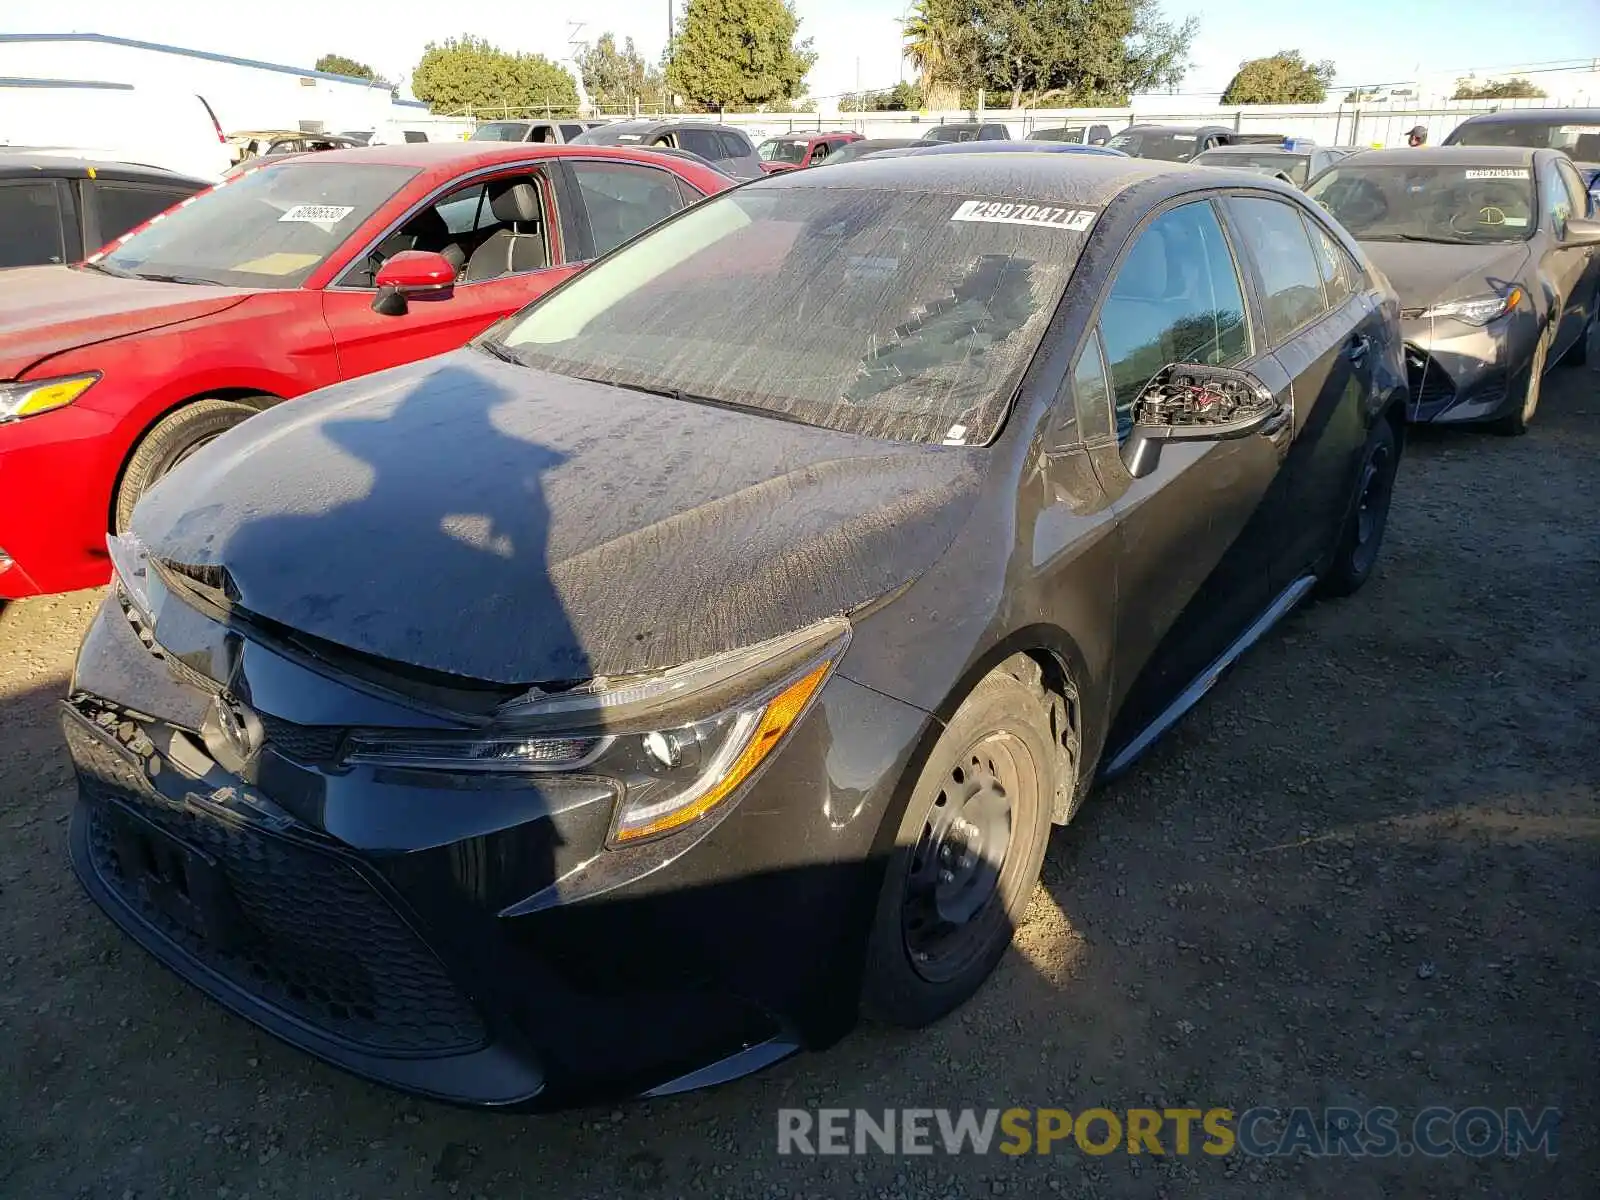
412 274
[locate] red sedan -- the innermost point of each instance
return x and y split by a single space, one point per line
289 278
792 151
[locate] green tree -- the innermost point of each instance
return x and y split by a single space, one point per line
338 64
619 78
902 97
468 73
738 53
1086 52
1283 78
1516 88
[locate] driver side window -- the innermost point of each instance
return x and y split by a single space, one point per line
1176 298
484 230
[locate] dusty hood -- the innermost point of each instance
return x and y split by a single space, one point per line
1427 273
491 521
45 310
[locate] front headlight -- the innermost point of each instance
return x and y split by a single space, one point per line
18 400
1478 310
675 746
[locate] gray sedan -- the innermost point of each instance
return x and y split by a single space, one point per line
1493 250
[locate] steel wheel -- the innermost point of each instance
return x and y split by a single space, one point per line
951 893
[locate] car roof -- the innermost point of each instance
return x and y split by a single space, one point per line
1157 128
1263 148
1078 179
462 154
15 164
1444 156
1555 116
998 147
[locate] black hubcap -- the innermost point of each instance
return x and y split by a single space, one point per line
1373 506
952 893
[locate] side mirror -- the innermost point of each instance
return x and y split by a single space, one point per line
1194 403
409 275
1582 231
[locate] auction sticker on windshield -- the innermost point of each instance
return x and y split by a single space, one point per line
1497 173
318 214
998 212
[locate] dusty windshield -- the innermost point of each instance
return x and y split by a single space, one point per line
1465 204
1168 147
269 228
1296 166
782 150
899 315
1582 142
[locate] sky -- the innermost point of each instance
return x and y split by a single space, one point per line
1370 41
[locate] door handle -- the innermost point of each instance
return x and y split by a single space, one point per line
1357 349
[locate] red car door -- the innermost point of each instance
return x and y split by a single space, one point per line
503 233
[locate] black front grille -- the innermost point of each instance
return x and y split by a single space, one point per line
308 934
308 743
1430 383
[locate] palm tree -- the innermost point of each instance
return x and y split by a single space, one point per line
929 43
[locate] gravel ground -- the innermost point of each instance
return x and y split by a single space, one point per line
1360 874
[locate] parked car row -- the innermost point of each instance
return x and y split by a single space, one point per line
682 615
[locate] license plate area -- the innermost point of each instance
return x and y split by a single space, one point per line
183 882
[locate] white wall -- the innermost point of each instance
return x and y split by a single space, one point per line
242 97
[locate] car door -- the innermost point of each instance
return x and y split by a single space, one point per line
1196 543
1562 196
615 201
458 219
1325 333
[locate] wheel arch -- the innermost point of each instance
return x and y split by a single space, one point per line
254 397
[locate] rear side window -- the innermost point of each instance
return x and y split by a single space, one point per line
733 146
1290 277
1176 299
122 208
703 142
571 131
623 200
1338 281
30 224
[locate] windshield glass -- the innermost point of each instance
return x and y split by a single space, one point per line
500 131
1168 147
269 228
1296 166
1582 142
1429 203
784 150
898 315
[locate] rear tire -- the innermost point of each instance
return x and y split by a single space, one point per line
1362 536
169 441
968 851
1515 424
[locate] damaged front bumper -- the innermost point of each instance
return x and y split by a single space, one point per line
1460 373
466 938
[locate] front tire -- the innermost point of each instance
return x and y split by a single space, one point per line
1515 424
968 852
169 441
1362 537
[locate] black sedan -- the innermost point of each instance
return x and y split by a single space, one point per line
56 209
1496 255
626 700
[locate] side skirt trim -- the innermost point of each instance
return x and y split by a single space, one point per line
1203 683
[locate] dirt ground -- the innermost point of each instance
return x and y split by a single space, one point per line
1362 873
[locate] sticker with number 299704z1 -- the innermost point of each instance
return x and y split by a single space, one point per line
1023 212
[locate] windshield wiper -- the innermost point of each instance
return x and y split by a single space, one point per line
189 279
502 352
694 398
108 269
